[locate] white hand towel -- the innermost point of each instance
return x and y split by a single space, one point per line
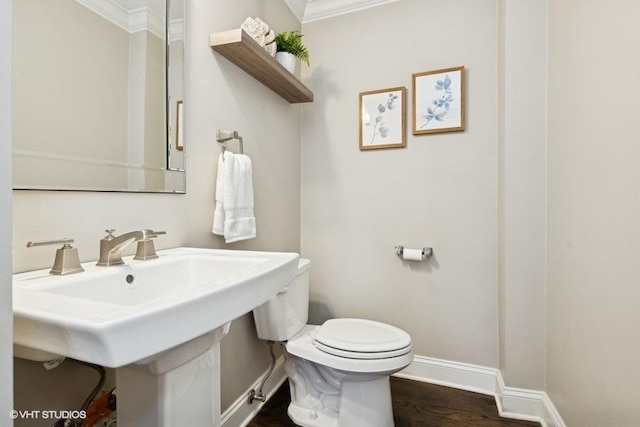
218 213
234 199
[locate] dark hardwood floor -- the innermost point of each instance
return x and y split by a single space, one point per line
415 404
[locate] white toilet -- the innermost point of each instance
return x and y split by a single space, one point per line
339 371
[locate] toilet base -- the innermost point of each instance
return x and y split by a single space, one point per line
366 403
327 397
362 404
311 418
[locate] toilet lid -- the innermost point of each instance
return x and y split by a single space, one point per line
362 339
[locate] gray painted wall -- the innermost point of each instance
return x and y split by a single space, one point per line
522 189
440 191
593 212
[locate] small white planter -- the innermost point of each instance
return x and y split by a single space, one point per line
287 60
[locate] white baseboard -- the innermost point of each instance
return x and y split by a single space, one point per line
524 404
241 411
516 403
451 374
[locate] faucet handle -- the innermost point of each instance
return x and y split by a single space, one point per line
110 235
67 260
146 249
65 241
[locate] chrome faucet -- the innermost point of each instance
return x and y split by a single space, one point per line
111 246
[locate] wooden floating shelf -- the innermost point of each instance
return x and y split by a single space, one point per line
238 47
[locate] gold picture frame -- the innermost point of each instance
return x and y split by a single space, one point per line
382 118
438 101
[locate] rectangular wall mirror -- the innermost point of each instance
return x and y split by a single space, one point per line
98 95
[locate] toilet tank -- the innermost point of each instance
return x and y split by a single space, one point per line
285 314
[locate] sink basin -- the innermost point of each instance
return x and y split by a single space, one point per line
115 316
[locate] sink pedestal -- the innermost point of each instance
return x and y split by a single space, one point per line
180 387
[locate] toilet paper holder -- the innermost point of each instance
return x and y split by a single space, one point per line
426 252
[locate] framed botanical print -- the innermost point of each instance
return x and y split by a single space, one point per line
382 118
438 101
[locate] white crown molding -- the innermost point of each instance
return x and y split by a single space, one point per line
132 21
143 19
109 10
176 30
317 9
297 7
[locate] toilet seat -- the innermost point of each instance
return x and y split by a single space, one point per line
302 345
361 339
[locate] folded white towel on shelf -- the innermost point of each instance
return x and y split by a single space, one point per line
233 216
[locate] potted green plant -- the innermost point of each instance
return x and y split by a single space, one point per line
289 46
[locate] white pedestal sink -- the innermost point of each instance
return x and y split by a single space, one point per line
158 322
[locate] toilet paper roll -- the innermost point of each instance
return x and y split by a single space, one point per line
412 254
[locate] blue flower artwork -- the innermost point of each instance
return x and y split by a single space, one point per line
438 101
382 118
443 101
